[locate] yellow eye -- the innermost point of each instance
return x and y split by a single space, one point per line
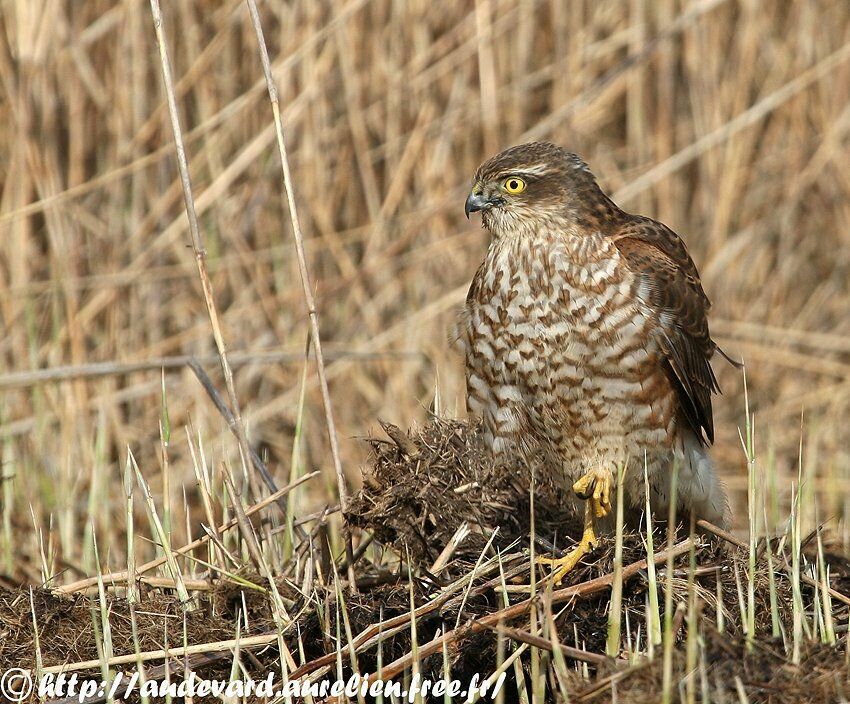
513 184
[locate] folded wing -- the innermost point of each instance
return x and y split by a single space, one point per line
670 285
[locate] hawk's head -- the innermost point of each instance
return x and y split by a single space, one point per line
533 184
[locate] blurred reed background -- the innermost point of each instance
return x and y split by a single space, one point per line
726 119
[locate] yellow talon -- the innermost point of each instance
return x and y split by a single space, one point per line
595 488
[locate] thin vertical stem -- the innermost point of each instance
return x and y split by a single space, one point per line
667 668
195 233
302 260
615 608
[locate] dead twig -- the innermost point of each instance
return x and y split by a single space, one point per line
720 533
96 370
538 642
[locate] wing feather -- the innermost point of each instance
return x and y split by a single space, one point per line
670 285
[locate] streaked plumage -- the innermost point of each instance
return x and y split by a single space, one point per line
585 333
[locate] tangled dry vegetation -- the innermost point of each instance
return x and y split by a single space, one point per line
726 119
443 584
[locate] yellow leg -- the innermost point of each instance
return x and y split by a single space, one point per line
595 488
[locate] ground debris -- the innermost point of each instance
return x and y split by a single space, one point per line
416 500
422 487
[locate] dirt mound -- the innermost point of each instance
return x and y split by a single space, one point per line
419 492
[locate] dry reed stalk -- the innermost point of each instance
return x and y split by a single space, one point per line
740 122
176 652
237 359
197 241
298 238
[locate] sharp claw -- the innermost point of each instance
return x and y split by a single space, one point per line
595 486
585 486
605 503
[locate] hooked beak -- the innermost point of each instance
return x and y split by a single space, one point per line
477 201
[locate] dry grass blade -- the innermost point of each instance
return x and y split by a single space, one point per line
302 260
246 530
120 577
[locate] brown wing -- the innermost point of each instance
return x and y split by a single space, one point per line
670 284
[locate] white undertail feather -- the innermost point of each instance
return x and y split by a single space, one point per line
700 488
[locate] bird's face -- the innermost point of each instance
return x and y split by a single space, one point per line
499 190
524 186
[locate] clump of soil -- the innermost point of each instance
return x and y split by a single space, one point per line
420 490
